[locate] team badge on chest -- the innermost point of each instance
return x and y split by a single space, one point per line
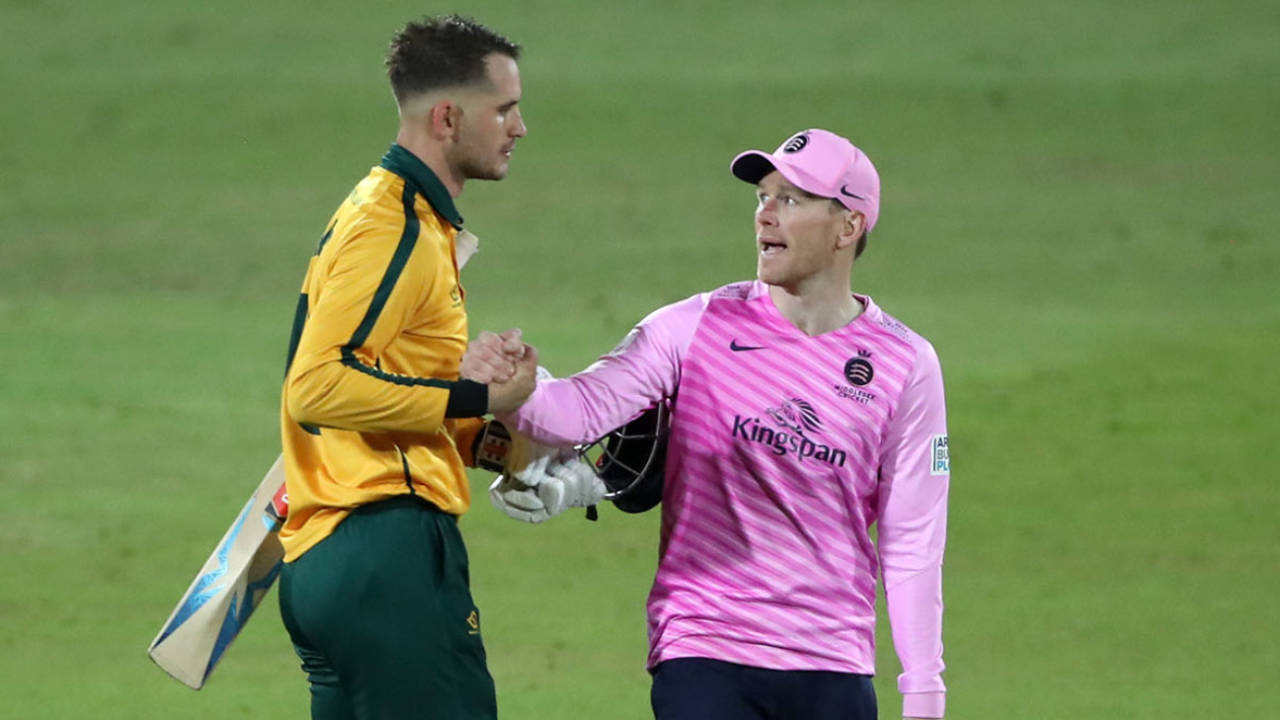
859 371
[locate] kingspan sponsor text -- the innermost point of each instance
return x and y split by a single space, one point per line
781 443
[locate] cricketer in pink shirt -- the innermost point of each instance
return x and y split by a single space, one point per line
785 448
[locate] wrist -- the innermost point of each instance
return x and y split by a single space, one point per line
467 398
924 704
492 447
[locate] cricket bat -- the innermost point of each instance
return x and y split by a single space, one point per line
227 589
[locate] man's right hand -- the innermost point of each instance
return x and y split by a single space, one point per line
506 396
491 357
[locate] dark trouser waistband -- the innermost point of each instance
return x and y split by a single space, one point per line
396 503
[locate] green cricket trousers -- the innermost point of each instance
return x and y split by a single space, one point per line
380 612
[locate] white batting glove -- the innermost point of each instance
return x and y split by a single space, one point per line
572 483
518 500
547 487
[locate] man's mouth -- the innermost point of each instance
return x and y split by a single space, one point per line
769 246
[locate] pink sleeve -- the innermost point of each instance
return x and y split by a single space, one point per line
912 532
640 371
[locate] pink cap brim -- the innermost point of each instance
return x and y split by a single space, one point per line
751 166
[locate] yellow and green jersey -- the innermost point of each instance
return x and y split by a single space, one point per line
372 404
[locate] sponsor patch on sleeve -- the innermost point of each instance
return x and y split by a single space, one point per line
940 459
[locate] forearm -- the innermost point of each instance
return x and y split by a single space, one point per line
639 373
915 608
582 408
333 394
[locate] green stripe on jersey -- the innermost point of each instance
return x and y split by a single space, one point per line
408 239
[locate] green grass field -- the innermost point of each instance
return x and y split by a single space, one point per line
1080 204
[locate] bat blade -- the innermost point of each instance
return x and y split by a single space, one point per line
227 589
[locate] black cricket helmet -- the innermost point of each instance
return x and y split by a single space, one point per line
630 459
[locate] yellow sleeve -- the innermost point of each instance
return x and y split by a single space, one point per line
361 298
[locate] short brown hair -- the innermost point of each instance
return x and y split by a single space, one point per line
440 52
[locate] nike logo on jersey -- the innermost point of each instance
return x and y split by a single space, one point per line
734 346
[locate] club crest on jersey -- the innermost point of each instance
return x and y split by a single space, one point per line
858 371
793 420
940 456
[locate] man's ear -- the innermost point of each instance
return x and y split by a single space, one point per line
851 225
444 118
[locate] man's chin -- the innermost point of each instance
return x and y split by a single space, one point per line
493 172
766 276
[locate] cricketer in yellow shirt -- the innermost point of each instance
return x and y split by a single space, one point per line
377 426
377 429
378 357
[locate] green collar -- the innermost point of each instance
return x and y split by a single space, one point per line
415 172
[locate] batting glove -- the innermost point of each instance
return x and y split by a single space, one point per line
501 450
547 487
518 500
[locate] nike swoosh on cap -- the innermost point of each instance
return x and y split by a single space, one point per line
734 346
843 191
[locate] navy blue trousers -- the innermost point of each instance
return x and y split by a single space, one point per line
702 689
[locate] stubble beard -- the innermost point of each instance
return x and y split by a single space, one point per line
768 277
773 271
471 167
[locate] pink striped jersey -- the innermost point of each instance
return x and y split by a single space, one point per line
784 451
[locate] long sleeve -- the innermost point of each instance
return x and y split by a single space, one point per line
342 374
915 475
635 375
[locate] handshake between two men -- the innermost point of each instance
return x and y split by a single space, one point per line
537 481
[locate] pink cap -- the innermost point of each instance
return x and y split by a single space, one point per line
821 163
